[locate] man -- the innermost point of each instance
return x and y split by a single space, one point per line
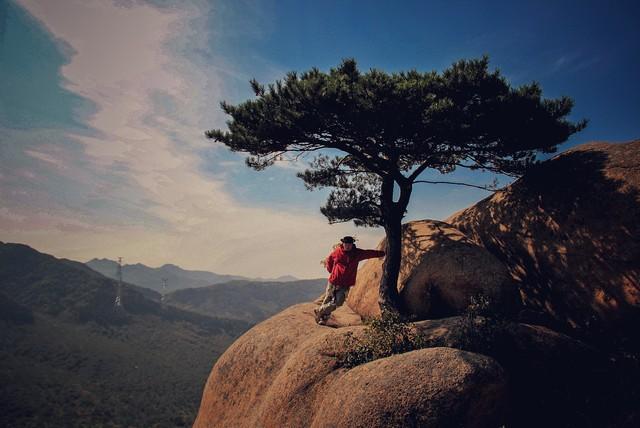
342 264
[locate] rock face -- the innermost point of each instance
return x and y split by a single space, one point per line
569 232
441 269
554 379
283 373
439 387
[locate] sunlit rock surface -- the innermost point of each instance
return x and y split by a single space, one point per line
441 270
569 232
283 373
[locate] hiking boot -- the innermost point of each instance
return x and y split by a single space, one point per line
320 319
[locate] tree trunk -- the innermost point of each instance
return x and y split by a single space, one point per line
388 298
392 214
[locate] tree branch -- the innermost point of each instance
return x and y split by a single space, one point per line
418 171
487 188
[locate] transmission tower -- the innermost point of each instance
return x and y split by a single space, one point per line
164 288
118 302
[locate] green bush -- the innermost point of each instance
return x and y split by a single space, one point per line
382 338
481 329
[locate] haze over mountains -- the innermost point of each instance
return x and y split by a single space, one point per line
249 301
177 278
211 294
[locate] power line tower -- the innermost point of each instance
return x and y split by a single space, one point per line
164 289
118 302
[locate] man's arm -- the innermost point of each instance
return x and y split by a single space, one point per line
369 254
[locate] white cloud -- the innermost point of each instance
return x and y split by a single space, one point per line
121 60
46 157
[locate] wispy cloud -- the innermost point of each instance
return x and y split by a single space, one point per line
573 62
133 186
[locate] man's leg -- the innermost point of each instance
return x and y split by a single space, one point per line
328 293
338 298
341 295
328 303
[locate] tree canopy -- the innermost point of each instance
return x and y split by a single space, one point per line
394 125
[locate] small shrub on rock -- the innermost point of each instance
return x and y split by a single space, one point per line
481 328
382 338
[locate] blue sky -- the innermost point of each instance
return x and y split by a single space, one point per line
103 105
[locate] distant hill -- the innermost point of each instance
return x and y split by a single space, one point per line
68 358
283 278
177 278
250 301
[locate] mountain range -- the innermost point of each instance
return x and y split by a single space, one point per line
177 277
250 300
69 357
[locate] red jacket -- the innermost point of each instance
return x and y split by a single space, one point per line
343 265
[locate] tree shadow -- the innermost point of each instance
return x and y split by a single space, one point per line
568 232
439 239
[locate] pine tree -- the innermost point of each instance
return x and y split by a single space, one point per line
373 134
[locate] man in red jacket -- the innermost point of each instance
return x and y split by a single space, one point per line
342 264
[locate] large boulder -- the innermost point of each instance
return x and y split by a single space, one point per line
472 372
433 387
284 373
569 232
441 270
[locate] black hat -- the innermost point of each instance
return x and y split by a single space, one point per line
348 240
